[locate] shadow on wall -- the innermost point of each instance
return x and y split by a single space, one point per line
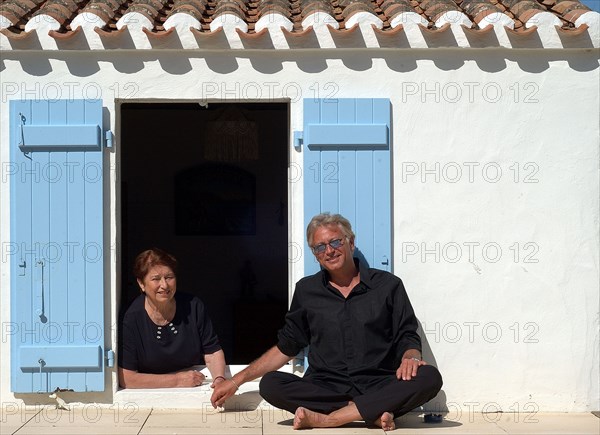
87 65
439 403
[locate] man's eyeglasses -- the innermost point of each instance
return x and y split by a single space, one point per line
322 247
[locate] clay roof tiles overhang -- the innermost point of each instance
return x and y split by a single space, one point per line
284 24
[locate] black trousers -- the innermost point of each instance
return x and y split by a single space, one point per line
287 391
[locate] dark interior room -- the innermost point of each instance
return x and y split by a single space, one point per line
208 184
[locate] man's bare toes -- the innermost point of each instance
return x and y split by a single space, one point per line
300 418
386 421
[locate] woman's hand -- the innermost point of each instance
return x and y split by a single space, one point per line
189 378
217 381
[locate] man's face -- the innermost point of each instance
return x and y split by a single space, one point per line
333 259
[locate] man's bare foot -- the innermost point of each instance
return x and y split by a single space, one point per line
305 419
386 422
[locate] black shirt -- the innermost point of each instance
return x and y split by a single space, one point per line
149 348
354 341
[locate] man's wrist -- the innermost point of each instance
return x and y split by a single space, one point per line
412 354
237 385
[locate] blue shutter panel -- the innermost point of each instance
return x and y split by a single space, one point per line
347 171
57 287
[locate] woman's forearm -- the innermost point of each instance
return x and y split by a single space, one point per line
184 379
215 362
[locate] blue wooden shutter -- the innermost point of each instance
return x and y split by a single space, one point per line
57 249
346 145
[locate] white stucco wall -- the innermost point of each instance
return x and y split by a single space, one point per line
500 260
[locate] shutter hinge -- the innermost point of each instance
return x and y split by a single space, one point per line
108 138
22 138
22 267
110 358
298 139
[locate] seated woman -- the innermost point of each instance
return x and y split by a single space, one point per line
165 332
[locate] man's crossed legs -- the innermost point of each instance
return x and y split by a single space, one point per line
316 406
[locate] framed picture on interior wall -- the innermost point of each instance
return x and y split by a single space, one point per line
215 199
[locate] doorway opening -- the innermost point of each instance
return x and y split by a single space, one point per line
208 184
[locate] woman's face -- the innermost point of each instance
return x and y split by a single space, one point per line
159 284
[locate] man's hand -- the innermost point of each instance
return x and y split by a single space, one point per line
411 361
223 391
269 361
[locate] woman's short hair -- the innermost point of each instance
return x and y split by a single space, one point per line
146 260
325 220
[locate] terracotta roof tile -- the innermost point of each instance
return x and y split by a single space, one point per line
356 6
308 7
282 7
15 14
475 7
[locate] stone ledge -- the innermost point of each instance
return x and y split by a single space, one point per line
246 399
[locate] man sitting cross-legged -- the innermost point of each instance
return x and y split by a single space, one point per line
364 352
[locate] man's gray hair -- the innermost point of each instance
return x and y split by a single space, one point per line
325 220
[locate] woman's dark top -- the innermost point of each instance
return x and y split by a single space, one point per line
148 348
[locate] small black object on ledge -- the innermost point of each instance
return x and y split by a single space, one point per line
432 418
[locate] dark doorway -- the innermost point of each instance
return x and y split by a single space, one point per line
208 183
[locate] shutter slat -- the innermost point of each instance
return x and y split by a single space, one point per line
382 194
94 252
21 241
58 266
347 162
363 225
329 168
311 177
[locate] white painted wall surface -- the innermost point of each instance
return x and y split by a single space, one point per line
516 330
